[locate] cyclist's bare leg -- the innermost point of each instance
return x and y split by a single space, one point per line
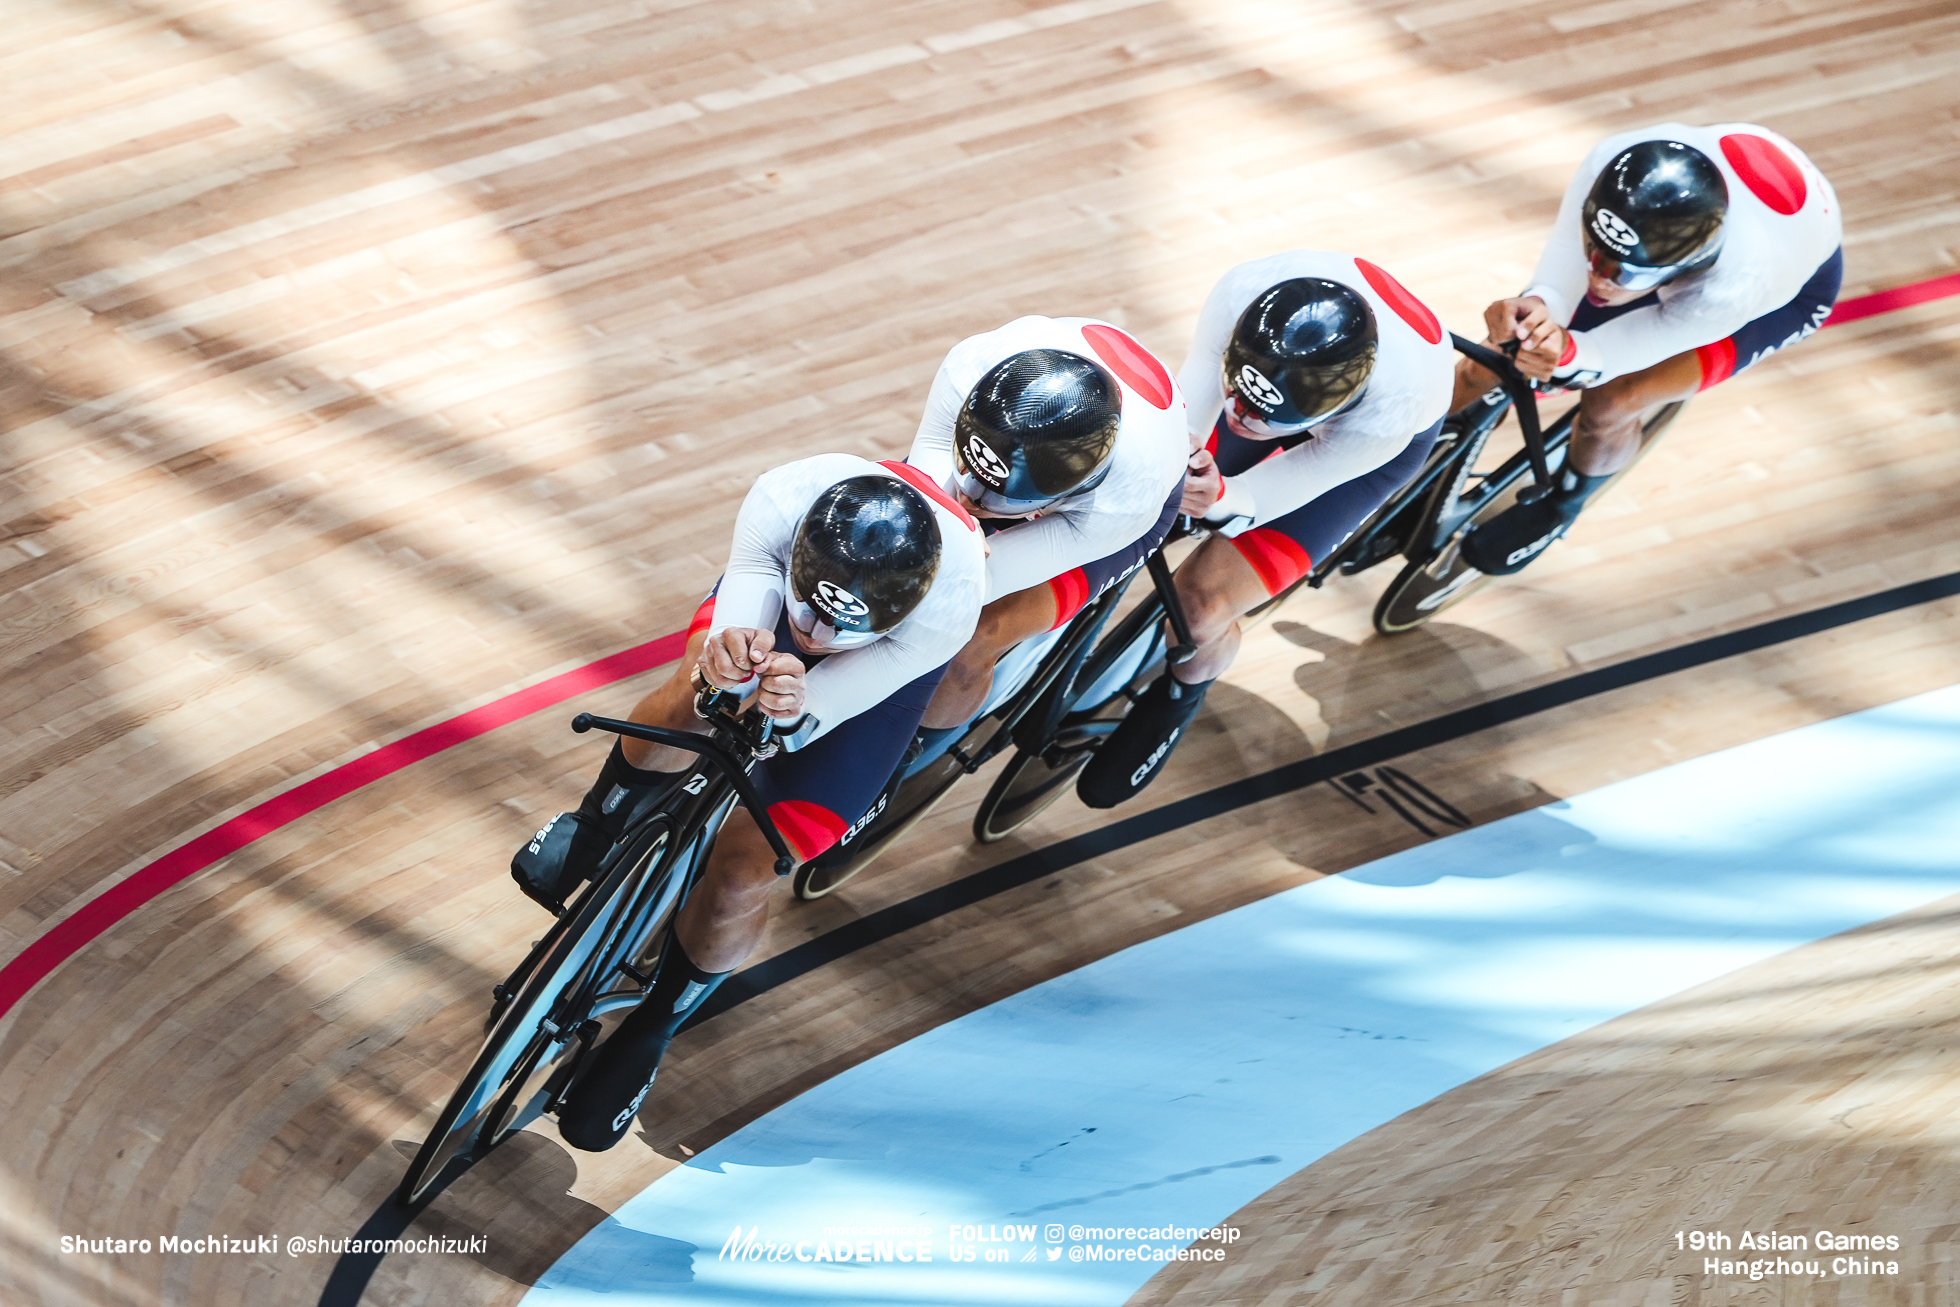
724 915
1004 623
1215 586
1607 434
1472 379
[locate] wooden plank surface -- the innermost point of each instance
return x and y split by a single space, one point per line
362 363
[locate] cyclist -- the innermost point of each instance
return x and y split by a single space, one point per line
1068 436
1681 256
1317 387
850 584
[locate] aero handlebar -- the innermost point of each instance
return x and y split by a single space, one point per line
785 863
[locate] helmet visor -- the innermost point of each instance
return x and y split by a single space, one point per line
989 502
820 635
1636 276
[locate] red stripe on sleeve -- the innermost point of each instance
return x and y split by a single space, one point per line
704 617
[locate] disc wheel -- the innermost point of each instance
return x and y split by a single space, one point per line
1032 781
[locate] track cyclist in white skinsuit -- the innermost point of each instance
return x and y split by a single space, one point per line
850 585
1317 386
1067 437
1681 256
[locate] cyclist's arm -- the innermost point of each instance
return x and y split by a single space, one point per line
932 447
1199 378
1304 473
1031 553
1638 340
1560 279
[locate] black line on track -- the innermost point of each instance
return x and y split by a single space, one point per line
351 1274
899 917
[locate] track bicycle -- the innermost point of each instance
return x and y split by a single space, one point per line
1035 709
597 959
1424 521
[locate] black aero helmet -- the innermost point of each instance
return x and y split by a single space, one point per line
1038 427
865 554
1656 210
1301 351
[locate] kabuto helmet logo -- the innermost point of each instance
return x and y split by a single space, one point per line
1255 387
839 606
984 463
1611 228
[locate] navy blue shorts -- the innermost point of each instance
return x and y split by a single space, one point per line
817 793
1755 340
1282 551
1074 588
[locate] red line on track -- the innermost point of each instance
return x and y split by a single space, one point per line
75 932
100 913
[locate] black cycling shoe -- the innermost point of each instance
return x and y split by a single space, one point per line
1138 749
566 853
599 1109
559 859
1509 541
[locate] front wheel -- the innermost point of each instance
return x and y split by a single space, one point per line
1424 589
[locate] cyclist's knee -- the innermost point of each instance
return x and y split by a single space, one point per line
1209 610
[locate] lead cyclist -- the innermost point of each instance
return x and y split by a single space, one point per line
1681 256
850 585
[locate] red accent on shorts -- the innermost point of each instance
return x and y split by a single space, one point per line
1571 350
1770 174
922 483
1407 307
1276 557
1717 362
808 828
1071 591
704 617
1136 366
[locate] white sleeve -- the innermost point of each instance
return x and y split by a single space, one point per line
1199 378
858 680
932 447
1647 336
1560 279
1031 553
1307 471
751 591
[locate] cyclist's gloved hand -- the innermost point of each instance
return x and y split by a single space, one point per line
1234 511
1521 532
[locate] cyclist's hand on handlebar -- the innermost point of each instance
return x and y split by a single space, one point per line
1541 341
1203 484
781 692
731 657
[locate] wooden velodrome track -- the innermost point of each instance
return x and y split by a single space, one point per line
364 362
